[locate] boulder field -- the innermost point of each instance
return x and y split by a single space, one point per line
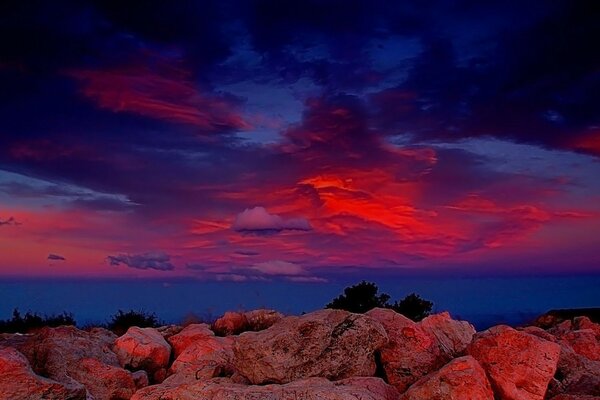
327 354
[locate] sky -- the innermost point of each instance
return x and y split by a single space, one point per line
298 141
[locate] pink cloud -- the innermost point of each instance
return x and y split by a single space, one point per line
258 219
164 95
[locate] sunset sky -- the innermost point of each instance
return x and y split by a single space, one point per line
298 141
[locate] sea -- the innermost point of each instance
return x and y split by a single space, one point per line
484 301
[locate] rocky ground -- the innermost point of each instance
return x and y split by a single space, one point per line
328 354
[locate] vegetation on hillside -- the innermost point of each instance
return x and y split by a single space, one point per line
31 321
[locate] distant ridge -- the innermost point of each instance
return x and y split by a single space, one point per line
554 317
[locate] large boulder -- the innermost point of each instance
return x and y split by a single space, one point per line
462 378
452 336
333 344
19 382
144 348
308 389
204 359
103 381
584 342
519 365
576 374
231 323
63 353
416 349
262 319
190 334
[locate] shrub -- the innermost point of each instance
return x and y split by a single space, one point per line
360 298
122 321
413 307
31 321
365 296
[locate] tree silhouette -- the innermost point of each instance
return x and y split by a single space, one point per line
413 307
365 296
122 321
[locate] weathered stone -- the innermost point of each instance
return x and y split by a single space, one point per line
143 348
262 319
19 382
103 381
204 359
461 379
190 334
231 323
519 365
412 351
308 389
333 344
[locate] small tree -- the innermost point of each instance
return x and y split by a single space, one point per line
365 296
360 298
413 307
122 321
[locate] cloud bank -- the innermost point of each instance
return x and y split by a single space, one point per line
158 261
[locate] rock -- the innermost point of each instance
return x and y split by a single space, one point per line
583 342
308 389
452 336
231 323
143 348
586 323
169 330
519 365
574 397
412 352
19 382
462 378
575 374
59 353
561 328
262 319
204 359
333 344
140 378
190 334
103 381
539 332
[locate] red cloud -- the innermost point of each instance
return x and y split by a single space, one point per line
169 96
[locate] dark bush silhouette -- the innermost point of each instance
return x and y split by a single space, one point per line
413 307
365 296
360 298
31 321
122 321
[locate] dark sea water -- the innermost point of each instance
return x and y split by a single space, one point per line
483 301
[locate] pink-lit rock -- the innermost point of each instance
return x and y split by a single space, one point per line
103 381
461 379
19 382
143 348
333 344
519 365
575 374
262 319
231 323
204 359
189 335
307 389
